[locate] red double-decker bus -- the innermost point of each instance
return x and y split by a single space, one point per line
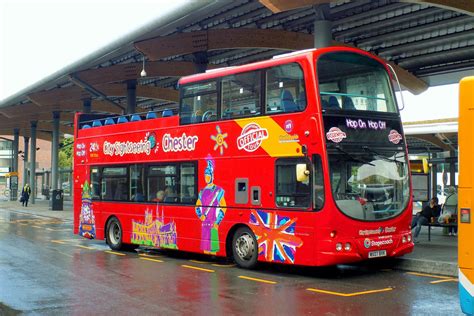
299 160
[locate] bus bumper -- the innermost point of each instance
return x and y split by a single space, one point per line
466 294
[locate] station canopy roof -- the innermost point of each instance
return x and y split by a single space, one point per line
428 42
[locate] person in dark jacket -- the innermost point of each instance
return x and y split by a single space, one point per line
424 217
25 194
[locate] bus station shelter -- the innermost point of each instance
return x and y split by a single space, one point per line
428 43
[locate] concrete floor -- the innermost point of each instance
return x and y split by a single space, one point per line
46 270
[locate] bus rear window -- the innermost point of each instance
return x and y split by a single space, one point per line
349 81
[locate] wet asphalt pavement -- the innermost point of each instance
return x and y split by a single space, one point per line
46 270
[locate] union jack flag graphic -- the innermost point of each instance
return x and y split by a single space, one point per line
275 236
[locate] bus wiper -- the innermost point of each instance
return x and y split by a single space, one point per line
386 158
354 158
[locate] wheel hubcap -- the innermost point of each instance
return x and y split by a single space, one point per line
245 247
115 234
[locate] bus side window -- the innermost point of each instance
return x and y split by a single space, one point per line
95 188
318 183
241 95
199 103
289 191
285 89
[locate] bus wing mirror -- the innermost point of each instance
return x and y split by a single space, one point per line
302 172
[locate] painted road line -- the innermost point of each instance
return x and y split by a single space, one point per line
197 268
444 280
349 294
58 242
35 226
149 256
22 224
224 265
150 259
256 280
85 247
115 253
428 275
200 262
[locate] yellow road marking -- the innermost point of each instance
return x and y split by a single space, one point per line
115 253
150 256
223 265
256 280
197 268
35 226
349 294
200 262
444 280
58 242
149 259
85 247
428 275
22 224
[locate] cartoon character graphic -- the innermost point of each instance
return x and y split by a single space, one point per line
86 218
210 208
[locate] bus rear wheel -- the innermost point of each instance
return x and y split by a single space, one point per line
245 248
114 234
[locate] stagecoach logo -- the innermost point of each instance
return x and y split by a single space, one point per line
367 243
394 137
377 243
251 137
335 135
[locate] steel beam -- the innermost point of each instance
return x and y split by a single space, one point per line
33 162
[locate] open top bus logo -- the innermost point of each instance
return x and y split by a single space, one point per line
394 137
335 135
251 137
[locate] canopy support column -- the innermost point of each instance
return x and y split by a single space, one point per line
33 161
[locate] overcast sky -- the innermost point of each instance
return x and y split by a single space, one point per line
38 38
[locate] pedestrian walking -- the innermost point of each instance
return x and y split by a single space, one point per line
25 195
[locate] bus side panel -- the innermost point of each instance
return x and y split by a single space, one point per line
466 191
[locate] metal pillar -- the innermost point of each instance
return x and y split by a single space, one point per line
322 27
452 169
434 181
25 160
55 152
16 140
131 96
33 161
86 105
200 61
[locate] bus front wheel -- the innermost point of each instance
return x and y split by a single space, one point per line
245 248
114 234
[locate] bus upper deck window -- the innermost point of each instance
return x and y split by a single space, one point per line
199 103
285 89
354 82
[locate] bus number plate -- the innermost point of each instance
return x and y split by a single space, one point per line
378 253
